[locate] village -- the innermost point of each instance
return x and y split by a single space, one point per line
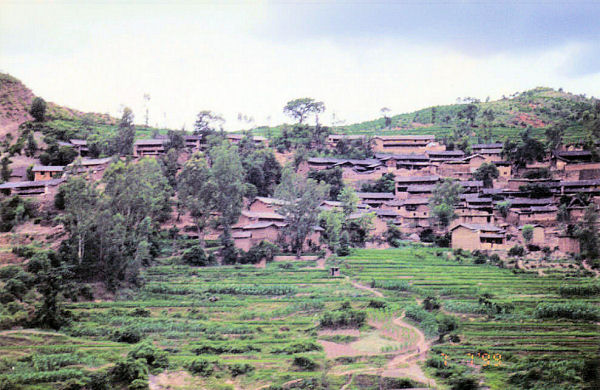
488 217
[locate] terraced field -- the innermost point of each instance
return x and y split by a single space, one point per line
245 327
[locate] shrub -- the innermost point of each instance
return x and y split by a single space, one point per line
397 285
195 256
342 318
580 290
138 384
200 366
263 250
377 303
516 251
240 368
154 357
304 363
299 346
573 311
129 370
140 312
16 288
129 334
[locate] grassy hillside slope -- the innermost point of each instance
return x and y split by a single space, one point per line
538 108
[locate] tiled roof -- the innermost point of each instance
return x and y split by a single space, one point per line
483 228
150 142
25 184
416 179
375 195
47 168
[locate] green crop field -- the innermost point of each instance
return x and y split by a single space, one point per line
247 327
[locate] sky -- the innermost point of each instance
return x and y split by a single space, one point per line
250 58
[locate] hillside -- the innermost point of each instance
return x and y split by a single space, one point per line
538 108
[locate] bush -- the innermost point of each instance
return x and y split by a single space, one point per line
195 256
377 303
140 312
580 290
342 318
299 346
138 384
304 363
200 366
263 250
129 334
240 368
573 311
154 357
129 370
516 251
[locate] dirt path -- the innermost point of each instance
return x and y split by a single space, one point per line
365 288
404 364
589 268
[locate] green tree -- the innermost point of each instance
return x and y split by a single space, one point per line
300 109
386 183
527 150
503 208
302 197
38 109
332 222
195 190
228 181
527 232
5 169
207 123
446 196
349 200
587 233
262 170
32 146
331 177
170 165
486 172
126 133
80 199
554 136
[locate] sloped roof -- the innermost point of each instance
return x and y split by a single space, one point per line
375 195
262 225
405 137
24 184
416 179
496 145
420 188
263 215
580 183
48 168
480 227
150 142
408 156
95 161
275 201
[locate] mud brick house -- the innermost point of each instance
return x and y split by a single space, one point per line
471 186
348 166
413 212
194 143
333 139
475 236
477 202
458 169
438 156
249 217
403 182
491 152
47 172
379 224
81 146
263 204
525 203
420 191
567 244
374 199
149 147
580 186
539 235
471 215
406 144
515 184
562 158
236 138
546 215
504 169
409 162
29 188
245 237
18 174
92 165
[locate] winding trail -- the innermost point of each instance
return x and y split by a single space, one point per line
589 268
403 364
